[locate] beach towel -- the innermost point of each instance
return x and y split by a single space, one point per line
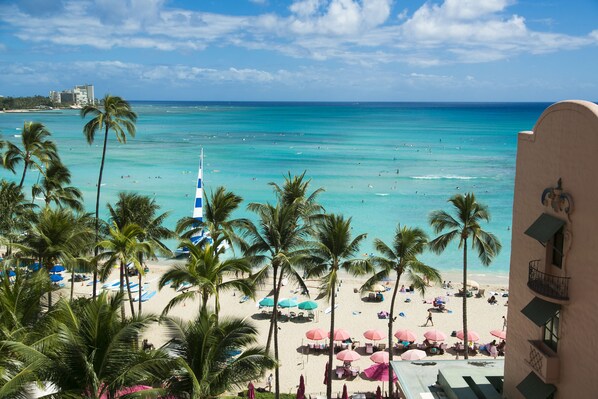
329 309
244 299
402 314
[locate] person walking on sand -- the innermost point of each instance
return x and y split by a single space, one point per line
504 323
429 319
269 383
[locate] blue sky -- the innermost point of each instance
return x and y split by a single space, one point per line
303 50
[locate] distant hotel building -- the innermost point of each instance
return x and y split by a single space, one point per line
553 282
79 95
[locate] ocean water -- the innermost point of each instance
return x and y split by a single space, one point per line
380 163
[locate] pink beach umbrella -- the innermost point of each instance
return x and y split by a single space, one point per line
348 355
378 372
405 335
374 335
317 334
126 391
340 335
413 354
435 335
250 391
499 334
345 393
380 357
472 336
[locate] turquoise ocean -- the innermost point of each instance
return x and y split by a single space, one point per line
380 163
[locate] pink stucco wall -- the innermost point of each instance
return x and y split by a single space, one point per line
563 144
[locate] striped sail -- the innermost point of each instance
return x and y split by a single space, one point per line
198 206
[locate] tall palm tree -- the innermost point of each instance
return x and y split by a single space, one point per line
116 115
400 259
335 251
205 274
15 213
53 187
122 247
141 210
466 225
37 150
89 351
219 207
57 236
295 191
214 357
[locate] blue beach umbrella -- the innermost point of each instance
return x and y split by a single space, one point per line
56 277
268 302
308 305
34 267
57 269
11 273
288 303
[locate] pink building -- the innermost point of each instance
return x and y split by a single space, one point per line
552 349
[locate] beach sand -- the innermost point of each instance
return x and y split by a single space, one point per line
353 314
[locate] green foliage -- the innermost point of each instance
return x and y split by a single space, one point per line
9 103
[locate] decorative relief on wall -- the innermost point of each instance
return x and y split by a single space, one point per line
558 200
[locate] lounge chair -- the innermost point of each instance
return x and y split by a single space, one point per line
481 293
381 347
340 372
354 371
369 348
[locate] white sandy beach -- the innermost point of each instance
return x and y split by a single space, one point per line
353 314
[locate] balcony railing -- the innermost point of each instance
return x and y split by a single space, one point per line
548 285
543 361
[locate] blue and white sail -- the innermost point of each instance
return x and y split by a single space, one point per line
198 206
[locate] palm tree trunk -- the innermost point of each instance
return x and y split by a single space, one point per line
331 345
72 283
390 322
122 290
24 173
95 270
140 286
130 296
275 315
465 299
274 285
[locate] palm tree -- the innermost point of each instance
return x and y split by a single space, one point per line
118 117
214 357
294 191
53 188
219 206
122 247
205 274
335 250
56 236
36 146
466 225
89 351
141 210
398 259
15 213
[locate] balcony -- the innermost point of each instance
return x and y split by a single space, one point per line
543 361
547 285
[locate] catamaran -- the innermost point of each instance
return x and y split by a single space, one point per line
200 235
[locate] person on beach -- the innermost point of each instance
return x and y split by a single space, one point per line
504 323
269 382
429 319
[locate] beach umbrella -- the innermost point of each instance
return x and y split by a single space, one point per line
326 374
378 288
499 334
374 335
250 391
380 357
56 278
316 334
435 335
406 335
340 335
378 393
57 269
378 372
413 354
301 388
308 305
11 273
472 336
473 284
348 355
267 302
288 303
345 393
34 267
